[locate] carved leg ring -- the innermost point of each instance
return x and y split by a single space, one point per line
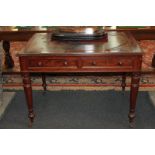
28 94
133 97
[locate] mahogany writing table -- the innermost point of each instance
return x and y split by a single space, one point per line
120 53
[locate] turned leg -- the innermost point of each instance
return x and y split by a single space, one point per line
44 82
1 96
133 97
9 63
28 94
153 61
123 81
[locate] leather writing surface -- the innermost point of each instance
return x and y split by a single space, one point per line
116 43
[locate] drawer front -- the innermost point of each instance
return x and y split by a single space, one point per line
107 62
84 63
55 63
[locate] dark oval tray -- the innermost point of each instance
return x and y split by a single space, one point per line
77 36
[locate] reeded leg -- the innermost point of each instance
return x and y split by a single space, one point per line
44 82
9 63
133 97
28 94
123 81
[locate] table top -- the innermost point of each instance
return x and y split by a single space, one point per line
116 43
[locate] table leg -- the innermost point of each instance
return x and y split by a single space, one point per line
123 81
133 97
9 63
153 61
44 82
1 91
28 94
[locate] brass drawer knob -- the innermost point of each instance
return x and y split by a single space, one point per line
65 63
120 63
94 63
40 63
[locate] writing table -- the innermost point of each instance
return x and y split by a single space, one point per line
120 53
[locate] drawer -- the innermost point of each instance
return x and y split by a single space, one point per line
60 62
107 62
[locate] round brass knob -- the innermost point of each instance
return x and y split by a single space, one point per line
65 63
93 63
120 63
40 63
